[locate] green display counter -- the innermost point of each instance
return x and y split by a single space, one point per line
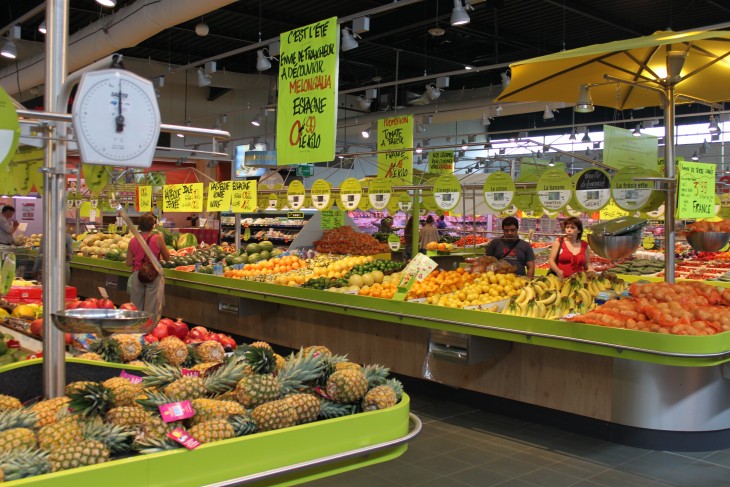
283 457
616 377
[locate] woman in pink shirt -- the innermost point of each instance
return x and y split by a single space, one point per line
148 296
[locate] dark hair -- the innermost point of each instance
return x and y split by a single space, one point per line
575 222
7 208
429 219
510 221
146 222
441 217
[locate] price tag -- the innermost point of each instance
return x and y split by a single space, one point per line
176 411
441 162
554 189
219 196
350 194
332 219
190 373
182 197
696 190
184 438
103 293
134 379
447 192
394 242
499 191
379 192
628 193
321 194
92 214
243 196
295 194
592 189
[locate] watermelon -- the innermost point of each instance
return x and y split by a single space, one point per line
253 258
265 255
166 235
266 245
253 248
276 252
186 240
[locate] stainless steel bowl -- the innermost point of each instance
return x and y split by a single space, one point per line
105 321
708 241
614 247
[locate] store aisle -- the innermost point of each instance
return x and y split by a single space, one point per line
462 446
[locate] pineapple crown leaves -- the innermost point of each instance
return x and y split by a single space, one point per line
108 349
91 400
377 375
242 424
146 445
397 386
24 462
192 358
17 418
151 354
329 367
117 439
329 409
161 375
225 377
154 400
300 370
261 360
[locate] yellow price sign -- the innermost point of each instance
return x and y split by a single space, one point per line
182 197
243 196
144 198
219 196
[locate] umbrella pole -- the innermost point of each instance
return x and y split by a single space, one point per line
671 190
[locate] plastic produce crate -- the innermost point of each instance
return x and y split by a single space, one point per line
272 458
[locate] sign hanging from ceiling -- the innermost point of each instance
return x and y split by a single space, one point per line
621 148
9 128
395 138
441 162
696 191
306 116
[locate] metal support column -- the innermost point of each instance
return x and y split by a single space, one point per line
671 193
54 201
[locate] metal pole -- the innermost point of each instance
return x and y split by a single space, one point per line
54 205
671 193
416 221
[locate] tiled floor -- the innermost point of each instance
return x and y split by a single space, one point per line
461 446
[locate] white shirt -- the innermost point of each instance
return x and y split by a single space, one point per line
6 230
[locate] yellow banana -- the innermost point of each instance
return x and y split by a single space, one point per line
552 297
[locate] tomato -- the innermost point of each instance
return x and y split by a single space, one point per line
160 331
36 327
129 306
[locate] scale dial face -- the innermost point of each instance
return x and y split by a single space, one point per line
116 119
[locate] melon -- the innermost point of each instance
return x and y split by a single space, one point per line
186 240
367 279
253 248
265 255
266 245
276 252
378 276
253 258
355 280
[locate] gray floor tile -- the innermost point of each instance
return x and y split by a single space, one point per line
474 456
356 478
660 466
614 478
509 467
479 477
539 457
440 444
613 454
546 477
411 476
580 468
720 458
586 483
443 464
467 436
699 473
444 482
515 483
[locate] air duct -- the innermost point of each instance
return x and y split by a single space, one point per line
126 28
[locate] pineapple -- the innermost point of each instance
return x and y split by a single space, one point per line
115 438
210 351
9 402
257 389
346 386
173 350
91 400
146 445
151 354
329 409
185 388
161 375
91 356
76 387
347 365
24 462
131 417
108 349
129 346
80 454
203 366
15 438
137 363
123 390
59 435
261 345
48 411
305 405
376 375
280 362
319 349
210 409
17 418
156 428
274 415
379 397
213 430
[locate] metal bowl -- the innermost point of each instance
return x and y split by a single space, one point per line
614 247
708 241
106 321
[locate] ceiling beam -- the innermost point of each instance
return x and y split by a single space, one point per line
598 16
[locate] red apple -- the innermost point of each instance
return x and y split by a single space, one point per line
88 304
36 327
105 303
73 304
160 331
199 332
149 338
228 342
129 306
213 337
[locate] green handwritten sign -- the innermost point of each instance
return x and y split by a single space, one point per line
696 190
332 219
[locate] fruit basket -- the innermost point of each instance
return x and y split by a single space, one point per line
290 456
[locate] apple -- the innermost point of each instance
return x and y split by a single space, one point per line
215 337
104 303
73 304
228 342
129 306
88 304
149 338
160 331
36 327
178 328
198 332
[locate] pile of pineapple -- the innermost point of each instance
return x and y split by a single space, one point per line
252 390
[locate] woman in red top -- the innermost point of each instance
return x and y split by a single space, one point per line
570 254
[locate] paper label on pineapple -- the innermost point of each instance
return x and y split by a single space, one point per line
394 242
499 191
379 192
696 190
447 192
321 194
629 194
190 373
134 379
184 438
176 411
350 194
295 193
554 189
593 189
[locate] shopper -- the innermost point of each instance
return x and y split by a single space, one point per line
570 254
146 296
385 225
427 234
408 237
38 266
441 225
513 250
8 225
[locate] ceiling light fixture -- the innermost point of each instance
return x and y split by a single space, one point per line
704 147
713 127
42 28
464 145
485 119
499 110
506 79
348 40
9 50
696 156
256 122
262 60
364 103
252 146
204 78
552 162
419 149
586 138
459 15
637 131
548 113
202 29
573 134
432 92
420 127
107 3
585 102
366 132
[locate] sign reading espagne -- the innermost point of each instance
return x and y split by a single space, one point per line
395 135
306 116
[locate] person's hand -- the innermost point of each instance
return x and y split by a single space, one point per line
16 224
559 273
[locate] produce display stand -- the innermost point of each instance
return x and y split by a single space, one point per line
282 457
603 374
